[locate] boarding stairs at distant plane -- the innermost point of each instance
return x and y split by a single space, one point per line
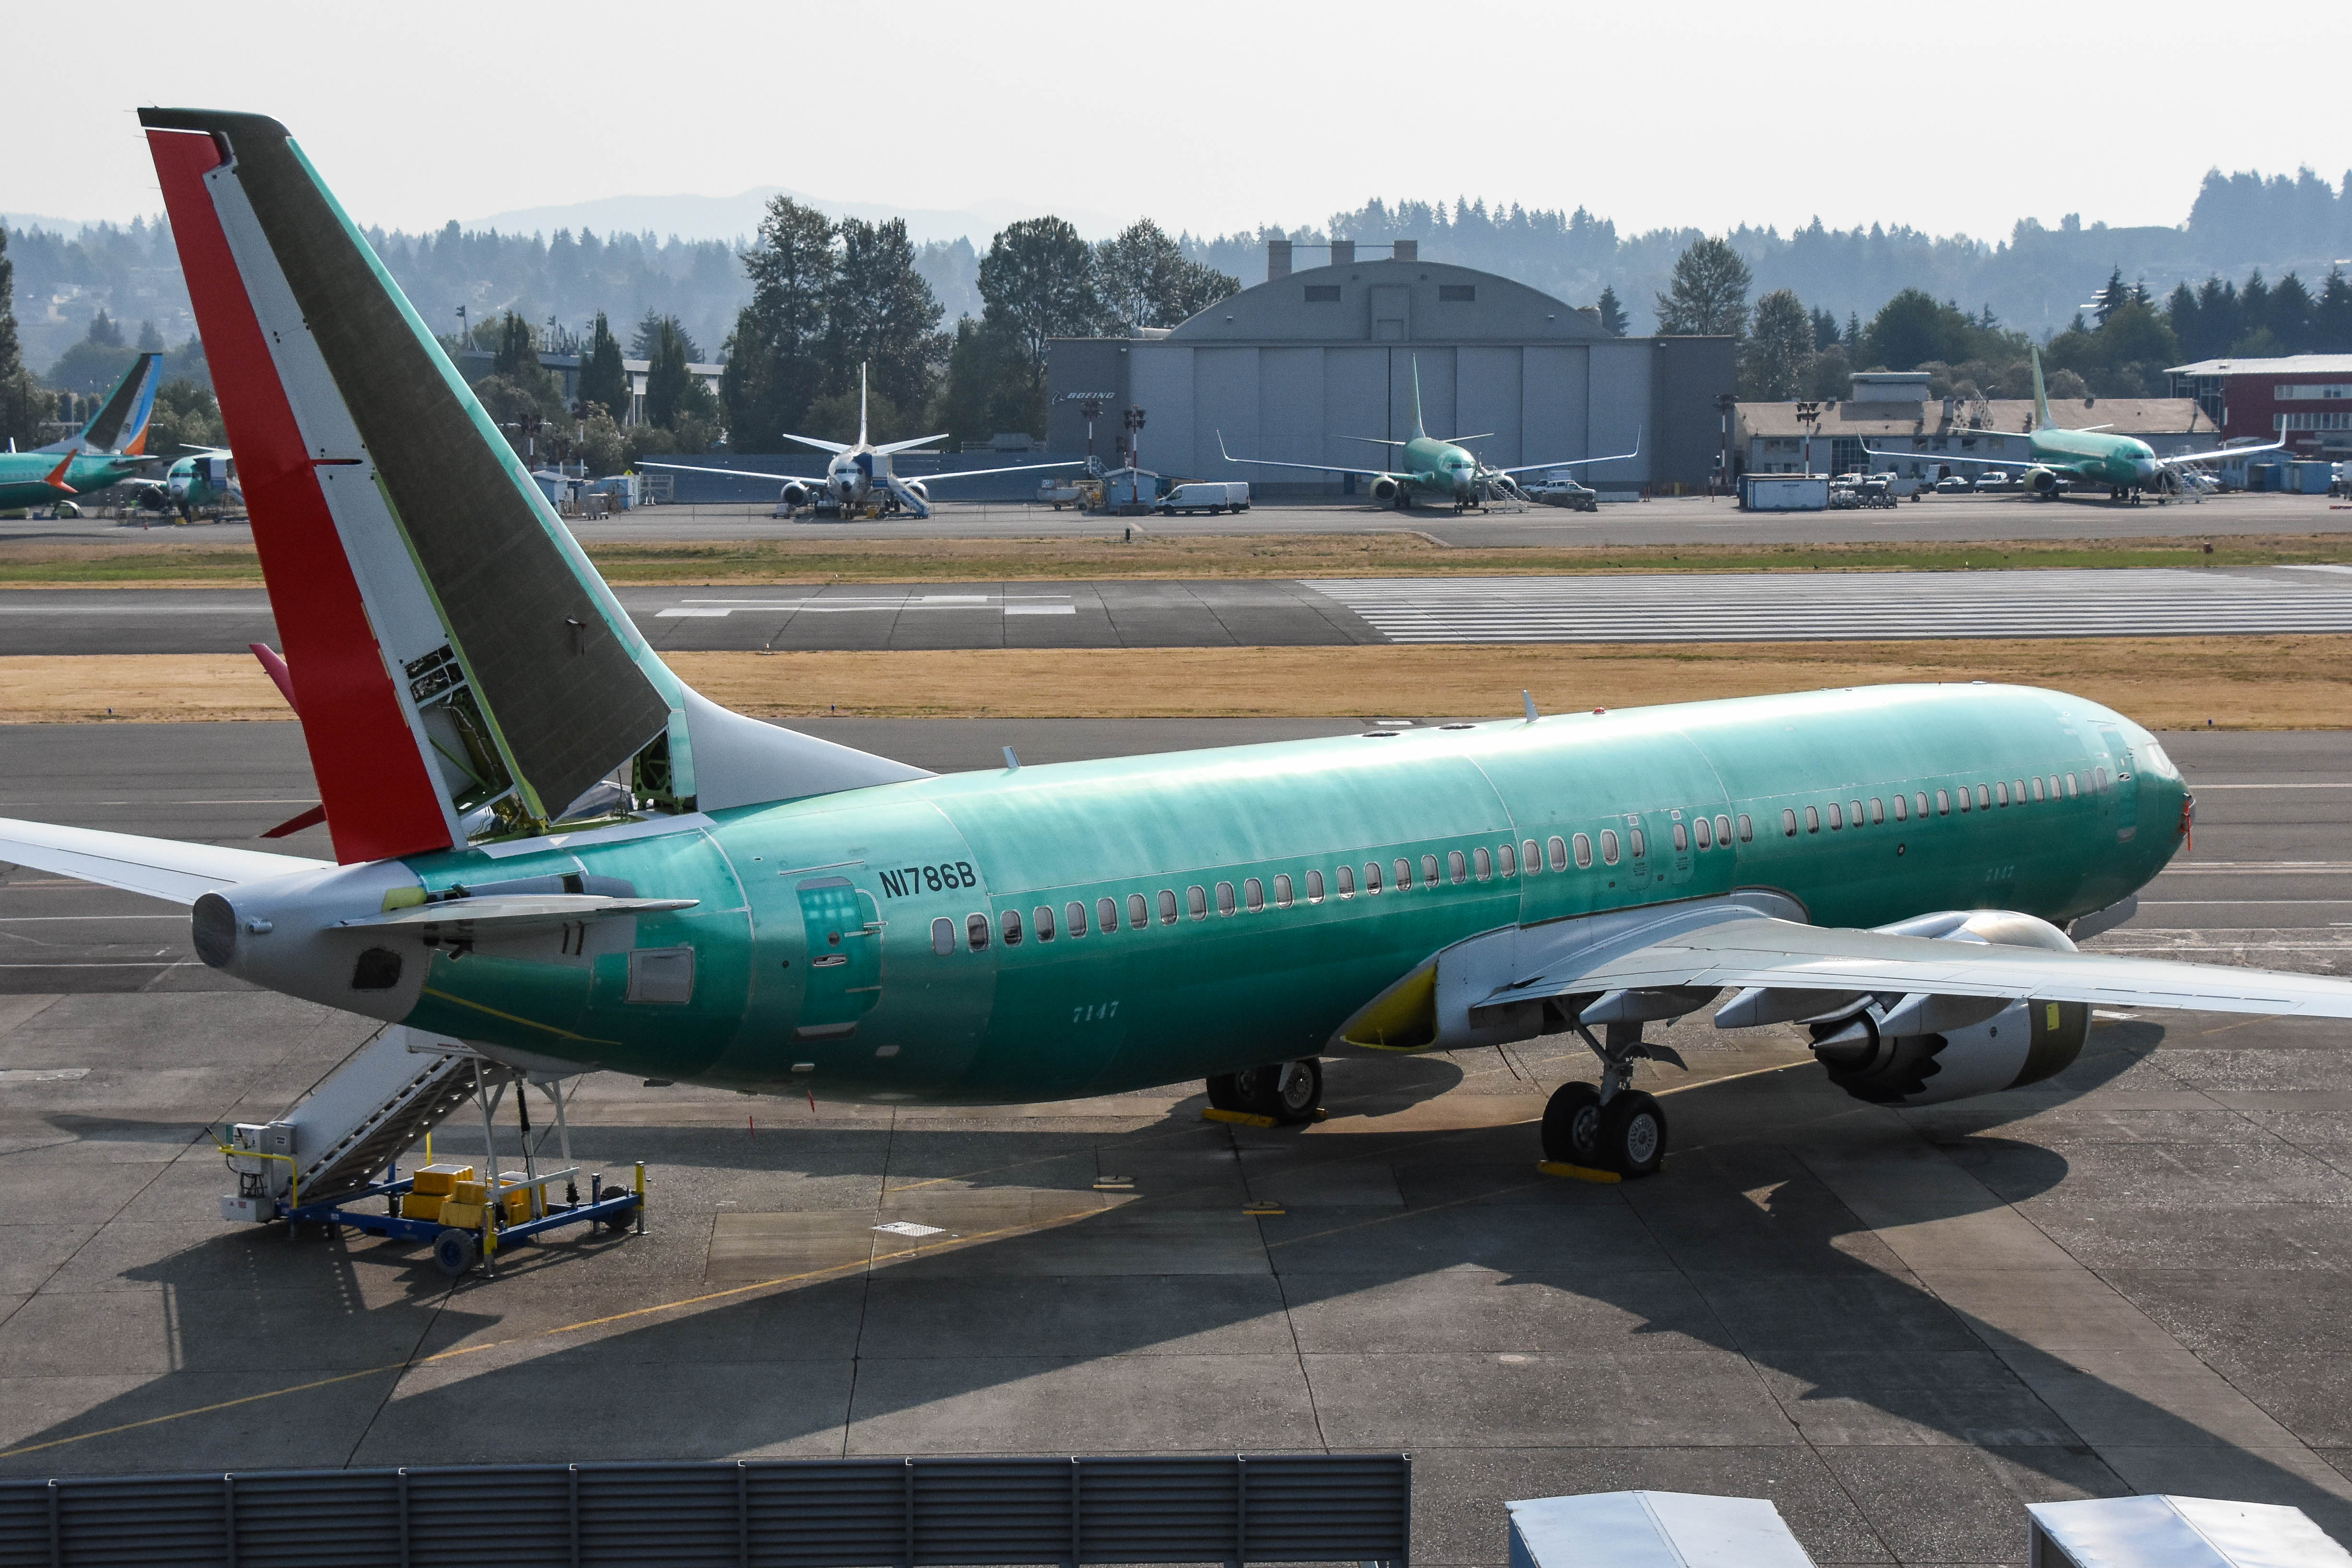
339 1145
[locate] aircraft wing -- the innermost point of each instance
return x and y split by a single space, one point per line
159 867
1573 462
738 473
1313 468
930 480
2215 457
1780 954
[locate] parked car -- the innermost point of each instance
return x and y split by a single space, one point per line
1952 485
1992 481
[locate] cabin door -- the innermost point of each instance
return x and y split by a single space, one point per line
844 931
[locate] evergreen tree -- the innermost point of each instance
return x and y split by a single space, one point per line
516 354
1708 295
989 388
2331 324
2114 297
775 358
2290 315
1773 361
602 378
1825 331
1614 320
22 405
881 314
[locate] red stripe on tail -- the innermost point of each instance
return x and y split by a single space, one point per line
379 801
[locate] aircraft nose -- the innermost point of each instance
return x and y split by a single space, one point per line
2148 468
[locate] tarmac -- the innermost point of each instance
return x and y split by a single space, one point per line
1702 607
1697 520
1900 1327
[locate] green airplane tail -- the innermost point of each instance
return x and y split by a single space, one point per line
1419 431
2041 398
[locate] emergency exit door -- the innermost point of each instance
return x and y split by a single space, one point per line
843 930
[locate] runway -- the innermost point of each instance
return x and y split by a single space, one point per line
1276 613
1898 1327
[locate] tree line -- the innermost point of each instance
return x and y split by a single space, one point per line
2122 347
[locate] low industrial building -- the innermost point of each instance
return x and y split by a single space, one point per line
2305 400
1892 410
473 364
1318 366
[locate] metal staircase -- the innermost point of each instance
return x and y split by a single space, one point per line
382 1097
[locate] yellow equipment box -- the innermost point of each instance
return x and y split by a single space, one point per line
461 1216
439 1180
468 1191
517 1202
421 1206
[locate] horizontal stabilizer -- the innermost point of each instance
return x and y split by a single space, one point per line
159 867
517 912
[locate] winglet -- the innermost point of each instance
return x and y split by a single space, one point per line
1529 699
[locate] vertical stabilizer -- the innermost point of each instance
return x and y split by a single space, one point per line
462 671
861 404
1419 431
120 423
2041 398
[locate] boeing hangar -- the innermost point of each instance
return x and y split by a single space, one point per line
1306 367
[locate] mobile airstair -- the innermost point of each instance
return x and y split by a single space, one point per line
333 1158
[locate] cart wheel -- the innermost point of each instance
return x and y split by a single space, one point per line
454 1252
625 1217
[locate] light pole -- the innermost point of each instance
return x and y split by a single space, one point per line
1092 409
1809 414
1723 405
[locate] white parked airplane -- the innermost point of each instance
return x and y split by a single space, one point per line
858 471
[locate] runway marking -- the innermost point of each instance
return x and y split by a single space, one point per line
854 604
1845 606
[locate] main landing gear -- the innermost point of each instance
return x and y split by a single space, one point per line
1613 1127
1289 1092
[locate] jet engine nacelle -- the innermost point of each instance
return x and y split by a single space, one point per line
1926 1049
794 497
1384 488
2041 481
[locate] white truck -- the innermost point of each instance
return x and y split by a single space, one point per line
1204 494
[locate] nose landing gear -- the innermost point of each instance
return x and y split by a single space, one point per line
1613 1127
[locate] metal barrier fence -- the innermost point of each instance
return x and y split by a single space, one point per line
811 1513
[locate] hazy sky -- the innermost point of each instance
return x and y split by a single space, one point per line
1213 115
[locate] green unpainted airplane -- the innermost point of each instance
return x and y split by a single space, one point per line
1440 470
108 450
199 481
2091 456
553 853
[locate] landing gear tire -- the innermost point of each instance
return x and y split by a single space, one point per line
1571 1126
1289 1092
1633 1134
455 1251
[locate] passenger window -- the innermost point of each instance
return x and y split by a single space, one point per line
1837 817
1138 914
1641 846
1789 822
2019 787
2099 776
1746 828
2000 795
1853 810
1168 906
1705 833
1877 811
2070 791
1253 893
1919 805
1901 809
1608 846
1074 917
2054 787
1042 917
1966 799
1347 881
1530 857
1984 801
1682 838
1723 831
1457 869
1107 913
1196 900
943 936
1558 847
1225 897
1812 819
1510 860
1011 920
1584 851
1372 875
1314 887
1943 803
1483 864
1404 872
975 931
1429 870
1282 899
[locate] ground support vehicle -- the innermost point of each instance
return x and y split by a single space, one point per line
1212 495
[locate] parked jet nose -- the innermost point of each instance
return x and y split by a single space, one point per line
2149 470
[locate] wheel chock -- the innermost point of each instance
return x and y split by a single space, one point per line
1263 1210
1237 1118
1577 1173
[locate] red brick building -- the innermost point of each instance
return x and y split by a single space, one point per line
2305 400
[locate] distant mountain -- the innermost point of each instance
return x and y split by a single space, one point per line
738 216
